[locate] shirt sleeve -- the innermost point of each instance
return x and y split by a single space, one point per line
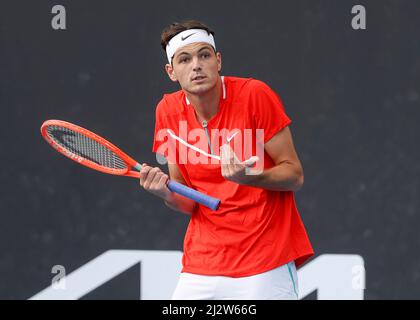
164 147
268 110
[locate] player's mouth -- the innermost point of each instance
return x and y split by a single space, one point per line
198 78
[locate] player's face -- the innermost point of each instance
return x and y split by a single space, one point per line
196 67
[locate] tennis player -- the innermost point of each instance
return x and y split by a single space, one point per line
250 247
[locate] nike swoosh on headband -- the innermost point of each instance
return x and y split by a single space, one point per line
183 38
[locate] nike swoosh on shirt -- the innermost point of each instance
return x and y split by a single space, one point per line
231 137
183 38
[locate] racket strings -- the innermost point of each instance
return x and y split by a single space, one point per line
85 147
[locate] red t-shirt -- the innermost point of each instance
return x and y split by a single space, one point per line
254 230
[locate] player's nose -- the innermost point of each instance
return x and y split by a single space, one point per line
196 64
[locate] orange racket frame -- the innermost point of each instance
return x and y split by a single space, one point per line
120 172
212 203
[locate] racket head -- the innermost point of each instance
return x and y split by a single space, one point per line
87 148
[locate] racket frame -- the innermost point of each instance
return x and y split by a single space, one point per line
208 201
130 162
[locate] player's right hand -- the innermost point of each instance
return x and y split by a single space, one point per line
154 180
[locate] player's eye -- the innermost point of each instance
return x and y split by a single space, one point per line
205 55
184 60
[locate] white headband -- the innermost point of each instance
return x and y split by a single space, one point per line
186 37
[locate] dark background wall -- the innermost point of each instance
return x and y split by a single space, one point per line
353 97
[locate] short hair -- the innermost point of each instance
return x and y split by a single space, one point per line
176 27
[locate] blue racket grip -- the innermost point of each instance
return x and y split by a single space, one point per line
192 194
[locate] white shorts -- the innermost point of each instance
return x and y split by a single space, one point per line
277 284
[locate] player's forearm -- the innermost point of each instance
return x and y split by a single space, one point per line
179 203
282 177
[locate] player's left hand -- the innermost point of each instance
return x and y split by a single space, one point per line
233 169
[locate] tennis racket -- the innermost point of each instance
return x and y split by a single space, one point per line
93 151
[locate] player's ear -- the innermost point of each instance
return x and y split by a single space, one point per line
170 71
219 61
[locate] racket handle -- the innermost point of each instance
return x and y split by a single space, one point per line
192 194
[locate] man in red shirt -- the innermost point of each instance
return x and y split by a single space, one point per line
250 247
